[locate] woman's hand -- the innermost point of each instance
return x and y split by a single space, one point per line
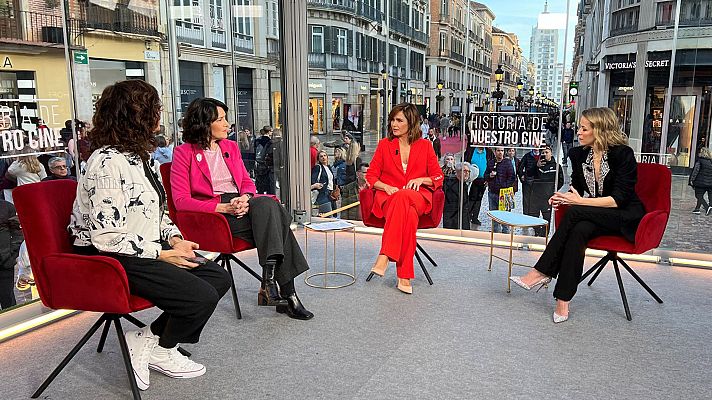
241 205
415 184
225 208
570 198
186 245
389 189
178 257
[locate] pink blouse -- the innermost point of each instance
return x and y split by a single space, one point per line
220 174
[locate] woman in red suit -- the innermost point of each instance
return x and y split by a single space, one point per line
405 172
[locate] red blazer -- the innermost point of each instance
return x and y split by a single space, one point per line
386 167
191 183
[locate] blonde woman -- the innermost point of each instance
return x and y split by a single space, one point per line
602 201
27 169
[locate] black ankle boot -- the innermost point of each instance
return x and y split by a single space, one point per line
295 309
269 291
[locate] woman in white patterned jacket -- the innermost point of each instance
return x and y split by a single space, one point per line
120 212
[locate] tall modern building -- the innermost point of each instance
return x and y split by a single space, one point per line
544 54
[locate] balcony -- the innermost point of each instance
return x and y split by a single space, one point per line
416 74
317 60
243 43
122 19
624 30
338 5
368 12
189 32
339 61
37 28
273 49
457 57
218 38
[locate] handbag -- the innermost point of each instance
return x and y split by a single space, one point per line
336 193
506 199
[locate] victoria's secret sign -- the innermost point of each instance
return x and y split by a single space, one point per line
632 64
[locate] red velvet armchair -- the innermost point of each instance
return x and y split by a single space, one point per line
653 189
70 281
431 220
212 233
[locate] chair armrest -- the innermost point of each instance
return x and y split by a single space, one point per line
650 231
210 230
559 214
88 283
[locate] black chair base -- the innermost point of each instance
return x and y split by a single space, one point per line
420 261
224 260
106 319
613 256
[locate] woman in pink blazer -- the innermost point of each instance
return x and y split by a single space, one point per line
405 172
208 175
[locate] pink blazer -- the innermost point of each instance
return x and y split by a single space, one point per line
191 182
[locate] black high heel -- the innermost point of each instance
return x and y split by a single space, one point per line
269 291
295 309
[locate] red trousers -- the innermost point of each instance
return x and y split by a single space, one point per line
402 211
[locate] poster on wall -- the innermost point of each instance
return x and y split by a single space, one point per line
244 111
353 122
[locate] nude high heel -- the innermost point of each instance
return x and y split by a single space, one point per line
408 289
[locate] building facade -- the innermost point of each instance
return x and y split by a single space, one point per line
508 56
459 55
544 53
627 58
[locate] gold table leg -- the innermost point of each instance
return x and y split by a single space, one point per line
509 273
491 246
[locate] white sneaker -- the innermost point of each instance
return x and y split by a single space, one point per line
172 363
141 344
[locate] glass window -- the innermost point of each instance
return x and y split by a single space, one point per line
317 40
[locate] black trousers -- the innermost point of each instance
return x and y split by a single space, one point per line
564 255
535 202
700 196
266 226
477 191
7 285
187 297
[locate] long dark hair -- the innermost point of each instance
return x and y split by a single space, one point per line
200 114
126 118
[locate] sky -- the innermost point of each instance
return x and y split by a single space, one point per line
519 16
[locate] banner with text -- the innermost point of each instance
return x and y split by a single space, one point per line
507 129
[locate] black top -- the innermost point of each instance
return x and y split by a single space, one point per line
619 170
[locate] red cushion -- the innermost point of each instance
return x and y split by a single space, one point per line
65 280
653 189
426 221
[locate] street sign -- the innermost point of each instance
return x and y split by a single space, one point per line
81 57
573 88
593 67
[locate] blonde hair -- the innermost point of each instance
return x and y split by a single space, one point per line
352 153
318 157
31 164
706 153
339 154
606 131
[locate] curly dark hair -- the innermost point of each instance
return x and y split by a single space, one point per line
126 118
197 118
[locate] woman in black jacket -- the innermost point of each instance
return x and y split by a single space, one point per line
602 201
701 181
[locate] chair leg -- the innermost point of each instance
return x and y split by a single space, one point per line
104 332
598 272
620 286
643 284
71 355
140 324
127 358
425 253
598 264
226 265
368 278
422 266
245 267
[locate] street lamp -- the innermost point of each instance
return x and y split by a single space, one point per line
439 97
519 97
498 94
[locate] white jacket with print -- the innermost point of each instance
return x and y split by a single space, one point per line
117 209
